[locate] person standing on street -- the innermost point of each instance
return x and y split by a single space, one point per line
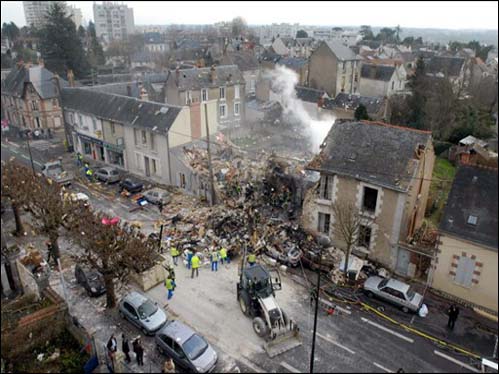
195 265
125 348
453 313
189 258
139 351
112 347
51 252
160 206
174 253
170 286
214 260
224 256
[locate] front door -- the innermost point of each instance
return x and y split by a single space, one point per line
148 170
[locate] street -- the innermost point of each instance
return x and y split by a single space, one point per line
349 341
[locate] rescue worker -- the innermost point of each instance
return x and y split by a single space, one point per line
251 258
195 265
89 173
214 260
224 256
170 286
79 160
189 257
175 254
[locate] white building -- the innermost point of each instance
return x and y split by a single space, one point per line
113 21
35 11
75 14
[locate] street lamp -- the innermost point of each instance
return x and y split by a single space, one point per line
324 242
28 133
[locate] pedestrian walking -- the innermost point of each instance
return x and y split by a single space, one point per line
112 347
170 286
224 256
51 252
125 348
160 206
195 265
174 253
139 351
168 366
453 313
214 260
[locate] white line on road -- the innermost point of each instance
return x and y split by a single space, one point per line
388 330
335 343
382 367
34 161
289 367
452 359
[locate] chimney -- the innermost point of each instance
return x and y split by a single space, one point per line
129 90
71 79
213 74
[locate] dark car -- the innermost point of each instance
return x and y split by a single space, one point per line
131 185
189 350
91 280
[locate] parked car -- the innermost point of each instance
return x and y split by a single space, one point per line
188 349
54 170
108 175
393 291
142 312
131 185
91 280
155 195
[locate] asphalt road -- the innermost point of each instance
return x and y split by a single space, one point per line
354 342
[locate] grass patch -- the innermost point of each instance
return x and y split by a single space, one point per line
442 178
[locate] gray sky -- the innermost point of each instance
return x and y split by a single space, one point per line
431 14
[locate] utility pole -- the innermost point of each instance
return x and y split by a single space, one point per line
212 183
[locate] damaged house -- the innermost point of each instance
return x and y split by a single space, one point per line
382 170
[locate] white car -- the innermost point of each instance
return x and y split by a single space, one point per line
395 292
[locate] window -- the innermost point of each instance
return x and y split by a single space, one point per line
144 137
135 136
324 221
464 272
236 92
154 167
152 141
223 111
364 238
236 109
80 120
182 180
204 95
138 161
113 128
188 97
393 85
94 124
34 105
38 122
326 187
344 66
130 309
252 85
342 83
472 220
222 93
370 199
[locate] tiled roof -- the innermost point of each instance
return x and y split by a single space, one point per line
308 94
38 76
340 51
373 104
450 66
197 78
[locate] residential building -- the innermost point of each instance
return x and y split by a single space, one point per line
334 68
30 99
35 11
466 262
113 21
129 133
298 65
452 68
291 47
382 80
249 66
343 106
222 88
384 171
75 14
156 43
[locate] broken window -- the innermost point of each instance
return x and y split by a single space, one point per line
370 199
364 239
326 187
324 221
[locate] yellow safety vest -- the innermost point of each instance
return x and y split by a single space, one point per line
89 172
223 253
214 256
195 262
169 284
252 258
173 251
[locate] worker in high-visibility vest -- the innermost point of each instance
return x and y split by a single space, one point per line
224 256
174 252
89 173
214 260
195 261
251 259
170 286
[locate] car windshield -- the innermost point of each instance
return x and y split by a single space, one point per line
195 346
114 172
410 293
147 309
383 283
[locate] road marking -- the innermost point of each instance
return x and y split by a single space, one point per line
34 161
388 330
412 319
382 367
289 367
452 359
331 305
336 343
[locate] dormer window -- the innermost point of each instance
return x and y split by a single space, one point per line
472 220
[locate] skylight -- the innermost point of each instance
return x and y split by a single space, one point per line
472 220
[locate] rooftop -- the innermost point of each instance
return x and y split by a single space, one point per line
346 101
340 51
471 210
197 78
377 72
41 79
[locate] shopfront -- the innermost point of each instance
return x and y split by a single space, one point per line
91 147
114 155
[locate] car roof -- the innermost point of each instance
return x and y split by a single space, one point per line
178 331
135 298
398 285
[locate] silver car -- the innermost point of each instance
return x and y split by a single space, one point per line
108 175
188 349
395 292
156 195
142 312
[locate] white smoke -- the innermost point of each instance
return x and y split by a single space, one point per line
283 82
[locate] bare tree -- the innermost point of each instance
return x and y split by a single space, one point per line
17 181
347 226
113 250
238 26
